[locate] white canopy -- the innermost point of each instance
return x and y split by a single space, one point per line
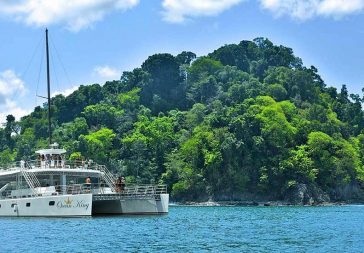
51 151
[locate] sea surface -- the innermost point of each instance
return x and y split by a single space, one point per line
194 229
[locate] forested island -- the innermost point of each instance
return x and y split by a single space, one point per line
247 122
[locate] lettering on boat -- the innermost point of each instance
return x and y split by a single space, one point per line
69 203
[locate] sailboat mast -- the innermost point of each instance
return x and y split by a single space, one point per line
49 91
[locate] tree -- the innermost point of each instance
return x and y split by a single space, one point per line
71 107
130 100
337 160
166 81
156 136
201 159
98 145
26 145
299 166
10 128
185 58
232 55
102 115
277 91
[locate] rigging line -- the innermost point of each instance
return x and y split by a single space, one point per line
32 58
60 60
39 73
54 71
23 75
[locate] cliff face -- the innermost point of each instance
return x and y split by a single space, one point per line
299 194
352 192
304 194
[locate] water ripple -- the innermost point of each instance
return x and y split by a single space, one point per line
194 229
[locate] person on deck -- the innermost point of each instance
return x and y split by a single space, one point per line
62 161
47 160
57 187
22 164
118 184
88 184
122 184
39 161
43 161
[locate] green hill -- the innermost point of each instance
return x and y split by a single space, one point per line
246 121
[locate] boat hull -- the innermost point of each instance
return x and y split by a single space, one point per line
56 206
135 206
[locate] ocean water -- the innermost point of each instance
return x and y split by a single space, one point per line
194 229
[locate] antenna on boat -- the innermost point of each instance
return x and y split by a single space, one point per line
49 91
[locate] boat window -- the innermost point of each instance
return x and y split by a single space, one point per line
0 205
28 204
12 205
51 203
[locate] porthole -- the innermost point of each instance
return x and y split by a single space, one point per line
28 204
51 203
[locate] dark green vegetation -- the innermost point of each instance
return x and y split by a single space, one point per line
246 121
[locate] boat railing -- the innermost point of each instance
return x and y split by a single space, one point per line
144 189
12 166
52 164
65 164
130 191
72 189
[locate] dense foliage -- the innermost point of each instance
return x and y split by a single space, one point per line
246 120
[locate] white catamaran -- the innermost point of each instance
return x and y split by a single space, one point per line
52 186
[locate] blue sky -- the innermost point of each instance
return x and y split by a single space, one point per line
96 40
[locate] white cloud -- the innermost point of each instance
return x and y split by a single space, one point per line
340 7
177 11
300 9
66 92
107 72
306 9
79 14
10 107
11 86
75 14
10 83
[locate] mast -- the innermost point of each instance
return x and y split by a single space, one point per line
49 91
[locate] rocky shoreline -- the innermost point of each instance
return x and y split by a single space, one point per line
298 195
255 203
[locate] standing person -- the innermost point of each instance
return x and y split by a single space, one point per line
52 164
122 183
62 161
57 187
58 161
39 160
42 163
47 162
118 184
88 184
